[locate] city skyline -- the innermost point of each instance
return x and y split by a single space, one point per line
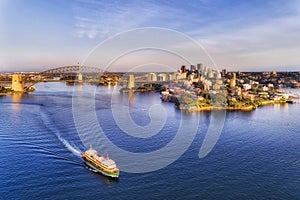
245 36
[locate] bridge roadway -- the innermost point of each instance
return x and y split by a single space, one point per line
52 80
28 84
147 82
71 80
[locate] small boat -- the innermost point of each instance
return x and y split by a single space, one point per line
104 165
290 101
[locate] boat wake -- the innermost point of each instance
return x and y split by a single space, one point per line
49 124
90 169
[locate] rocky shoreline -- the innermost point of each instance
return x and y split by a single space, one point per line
211 108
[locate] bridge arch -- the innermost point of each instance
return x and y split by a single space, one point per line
73 69
64 70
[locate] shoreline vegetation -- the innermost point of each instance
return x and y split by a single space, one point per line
218 101
5 91
210 102
9 91
211 108
143 88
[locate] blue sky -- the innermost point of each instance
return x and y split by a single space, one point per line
238 34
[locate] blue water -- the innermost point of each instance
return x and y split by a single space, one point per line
256 157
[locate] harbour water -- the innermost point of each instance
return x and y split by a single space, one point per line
256 157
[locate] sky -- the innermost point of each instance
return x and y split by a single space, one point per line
245 35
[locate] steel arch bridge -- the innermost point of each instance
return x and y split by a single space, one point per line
73 69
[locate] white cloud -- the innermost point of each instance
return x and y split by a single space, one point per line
265 43
105 18
229 41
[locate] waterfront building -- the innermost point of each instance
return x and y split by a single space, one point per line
200 67
219 81
208 70
205 70
183 75
283 95
238 91
254 82
171 77
251 97
232 83
200 98
270 85
191 77
183 69
216 87
178 76
265 88
218 74
193 68
224 72
162 77
207 84
201 78
246 87
210 74
276 98
152 77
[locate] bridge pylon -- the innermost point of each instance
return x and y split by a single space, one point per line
79 77
131 81
17 83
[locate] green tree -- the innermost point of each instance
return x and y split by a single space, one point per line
219 100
